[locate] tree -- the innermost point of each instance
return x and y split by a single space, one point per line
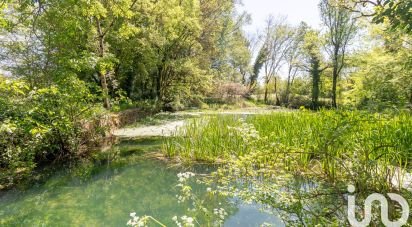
396 12
76 42
240 59
293 57
257 66
225 48
380 81
381 78
150 49
277 41
166 50
341 29
313 63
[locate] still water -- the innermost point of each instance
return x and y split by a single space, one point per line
105 192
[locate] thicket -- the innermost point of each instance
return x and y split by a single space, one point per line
63 59
41 125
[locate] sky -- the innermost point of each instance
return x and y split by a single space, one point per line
295 11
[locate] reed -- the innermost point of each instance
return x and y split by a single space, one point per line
350 144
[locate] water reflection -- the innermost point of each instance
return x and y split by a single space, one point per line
103 193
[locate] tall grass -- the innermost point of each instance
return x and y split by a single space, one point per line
205 139
356 145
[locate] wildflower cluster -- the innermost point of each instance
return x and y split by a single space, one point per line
185 189
247 131
185 176
185 221
136 221
221 214
216 216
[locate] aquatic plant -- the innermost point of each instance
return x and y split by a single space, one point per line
214 217
265 154
341 143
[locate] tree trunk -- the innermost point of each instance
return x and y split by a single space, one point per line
335 75
288 85
410 98
266 93
276 92
315 91
105 90
159 83
315 71
131 84
286 97
334 85
103 76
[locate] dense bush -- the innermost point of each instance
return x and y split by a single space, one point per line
382 81
229 92
40 124
296 101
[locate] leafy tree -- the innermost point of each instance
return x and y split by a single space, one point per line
156 50
278 39
396 12
341 29
381 78
313 63
257 66
75 43
293 57
41 125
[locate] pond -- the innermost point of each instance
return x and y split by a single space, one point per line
105 192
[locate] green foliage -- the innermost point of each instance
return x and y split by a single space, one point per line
330 137
172 51
341 30
382 76
257 66
300 163
311 48
164 50
40 125
398 13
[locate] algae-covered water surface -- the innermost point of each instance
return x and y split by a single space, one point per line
105 192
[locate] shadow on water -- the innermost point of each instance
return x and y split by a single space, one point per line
104 191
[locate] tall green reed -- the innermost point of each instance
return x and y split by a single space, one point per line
352 145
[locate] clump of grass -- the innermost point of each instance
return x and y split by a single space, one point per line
204 139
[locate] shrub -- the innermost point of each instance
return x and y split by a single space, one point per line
230 92
40 125
297 101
